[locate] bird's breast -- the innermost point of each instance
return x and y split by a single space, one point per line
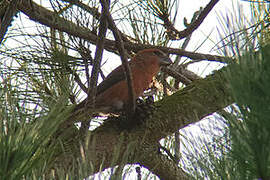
117 95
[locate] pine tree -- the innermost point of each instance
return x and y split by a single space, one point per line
45 73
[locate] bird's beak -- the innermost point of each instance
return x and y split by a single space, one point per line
165 61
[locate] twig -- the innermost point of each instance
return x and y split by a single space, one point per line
92 91
177 146
188 74
192 55
86 56
167 152
120 46
172 89
176 75
177 35
191 76
86 64
188 38
93 11
98 56
139 174
77 79
193 26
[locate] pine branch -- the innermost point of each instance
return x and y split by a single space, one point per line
174 34
48 18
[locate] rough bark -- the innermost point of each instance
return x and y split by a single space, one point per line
160 164
7 13
198 100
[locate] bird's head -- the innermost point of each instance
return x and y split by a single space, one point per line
154 55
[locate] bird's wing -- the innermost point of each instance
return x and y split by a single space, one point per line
113 78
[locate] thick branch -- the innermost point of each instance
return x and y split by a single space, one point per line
7 12
196 101
161 165
199 99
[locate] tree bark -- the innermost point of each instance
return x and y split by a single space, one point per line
7 12
189 105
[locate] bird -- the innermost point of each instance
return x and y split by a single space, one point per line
112 93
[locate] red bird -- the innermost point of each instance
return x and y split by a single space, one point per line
112 93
